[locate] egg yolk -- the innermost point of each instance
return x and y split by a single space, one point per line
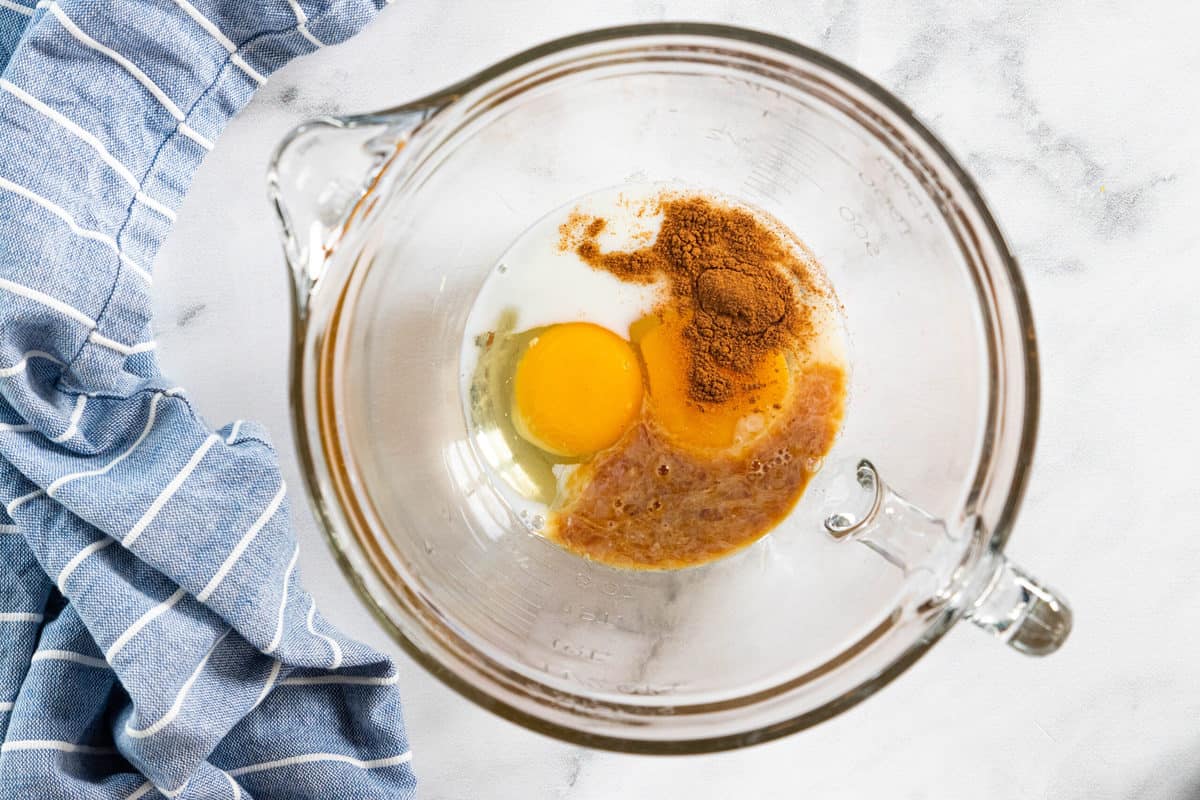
576 389
705 426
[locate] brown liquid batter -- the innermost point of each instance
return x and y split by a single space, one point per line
650 504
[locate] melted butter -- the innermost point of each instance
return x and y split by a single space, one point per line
648 503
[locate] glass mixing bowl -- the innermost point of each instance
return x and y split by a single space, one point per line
391 222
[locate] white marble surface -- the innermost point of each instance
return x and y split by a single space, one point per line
1080 121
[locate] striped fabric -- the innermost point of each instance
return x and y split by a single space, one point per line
156 639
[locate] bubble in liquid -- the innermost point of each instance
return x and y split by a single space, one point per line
538 522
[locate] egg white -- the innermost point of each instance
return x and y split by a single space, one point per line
545 284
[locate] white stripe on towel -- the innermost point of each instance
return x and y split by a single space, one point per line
22 500
302 23
141 791
174 792
19 367
308 758
173 712
69 655
341 680
199 139
50 744
242 544
17 7
283 603
167 492
333 645
270 684
137 74
142 621
73 422
80 557
129 66
47 301
226 42
92 141
58 484
20 616
76 228
95 337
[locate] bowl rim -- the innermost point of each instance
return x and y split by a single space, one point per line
1027 416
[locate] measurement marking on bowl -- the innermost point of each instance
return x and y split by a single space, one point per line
904 226
586 681
526 562
578 651
757 184
791 156
913 197
649 689
528 596
803 131
525 616
502 603
514 591
860 229
594 615
469 597
771 179
723 134
608 588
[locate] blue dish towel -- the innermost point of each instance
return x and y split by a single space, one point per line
156 640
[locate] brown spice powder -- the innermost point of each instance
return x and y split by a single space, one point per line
730 276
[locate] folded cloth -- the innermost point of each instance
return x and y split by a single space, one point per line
156 638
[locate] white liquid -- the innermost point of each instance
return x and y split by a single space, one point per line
546 284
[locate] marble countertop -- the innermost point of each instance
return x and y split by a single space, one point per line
1079 120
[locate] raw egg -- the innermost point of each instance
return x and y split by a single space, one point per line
576 389
704 426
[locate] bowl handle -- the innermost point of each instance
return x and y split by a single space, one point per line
991 591
320 175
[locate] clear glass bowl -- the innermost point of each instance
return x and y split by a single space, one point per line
391 222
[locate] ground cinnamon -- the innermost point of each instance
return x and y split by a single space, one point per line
732 278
